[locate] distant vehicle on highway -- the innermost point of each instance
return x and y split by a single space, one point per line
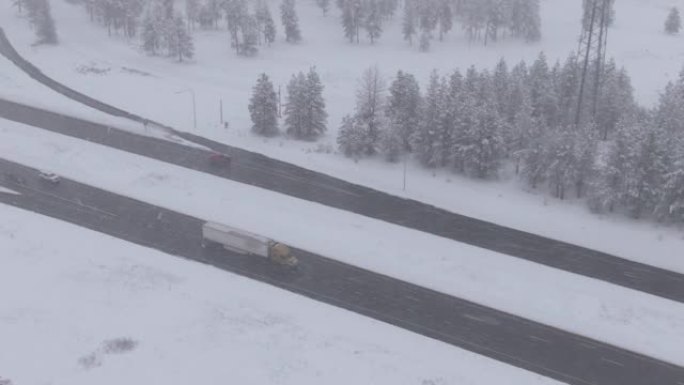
218 159
49 177
244 242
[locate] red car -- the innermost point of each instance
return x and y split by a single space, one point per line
219 160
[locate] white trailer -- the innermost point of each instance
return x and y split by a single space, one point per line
244 242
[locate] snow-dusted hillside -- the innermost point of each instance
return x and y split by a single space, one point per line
103 311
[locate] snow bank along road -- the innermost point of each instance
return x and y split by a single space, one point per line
258 170
548 351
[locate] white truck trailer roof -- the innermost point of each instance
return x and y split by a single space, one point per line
236 239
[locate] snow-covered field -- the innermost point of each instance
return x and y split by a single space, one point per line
116 72
603 311
103 311
5 190
17 86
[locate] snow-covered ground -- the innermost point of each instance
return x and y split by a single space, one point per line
620 316
17 86
114 71
103 311
5 190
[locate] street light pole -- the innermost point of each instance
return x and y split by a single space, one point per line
405 161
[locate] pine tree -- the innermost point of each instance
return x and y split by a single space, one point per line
669 113
671 200
151 39
524 128
370 108
236 15
428 20
427 137
352 138
40 17
610 189
249 30
373 20
351 19
294 107
500 84
388 8
46 31
391 143
404 108
317 116
616 100
674 22
494 21
567 90
525 20
269 30
586 151
535 160
290 21
633 177
451 118
180 41
484 145
265 22
466 113
560 160
324 5
192 9
647 176
209 14
131 17
543 93
409 22
263 108
305 115
445 18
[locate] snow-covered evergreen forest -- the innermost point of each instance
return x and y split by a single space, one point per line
626 158
159 24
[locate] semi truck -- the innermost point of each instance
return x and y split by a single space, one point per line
244 242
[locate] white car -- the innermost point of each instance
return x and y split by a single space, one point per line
49 177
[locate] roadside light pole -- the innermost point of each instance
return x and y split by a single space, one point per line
194 105
405 161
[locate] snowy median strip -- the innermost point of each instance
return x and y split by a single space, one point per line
5 190
619 316
104 311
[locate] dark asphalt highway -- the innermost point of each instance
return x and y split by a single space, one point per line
258 170
548 351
